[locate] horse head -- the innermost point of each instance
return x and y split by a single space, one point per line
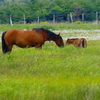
59 41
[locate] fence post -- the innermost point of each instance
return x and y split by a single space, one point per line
97 17
83 17
11 20
24 19
38 20
71 17
53 18
68 18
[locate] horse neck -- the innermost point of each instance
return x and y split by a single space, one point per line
53 37
45 36
49 36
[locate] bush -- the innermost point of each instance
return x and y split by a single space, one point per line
78 22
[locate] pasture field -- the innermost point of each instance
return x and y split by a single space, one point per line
51 73
56 26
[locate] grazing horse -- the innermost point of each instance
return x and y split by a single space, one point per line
31 38
77 42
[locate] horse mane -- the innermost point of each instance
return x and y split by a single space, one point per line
48 32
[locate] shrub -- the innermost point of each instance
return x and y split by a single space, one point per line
78 22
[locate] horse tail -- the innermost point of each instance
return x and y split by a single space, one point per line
84 43
4 45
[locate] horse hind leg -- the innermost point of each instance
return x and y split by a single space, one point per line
8 49
81 45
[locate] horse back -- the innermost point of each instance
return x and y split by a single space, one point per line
70 41
23 38
74 41
19 34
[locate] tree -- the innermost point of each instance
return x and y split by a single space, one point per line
45 9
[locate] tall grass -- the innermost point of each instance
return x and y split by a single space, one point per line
51 73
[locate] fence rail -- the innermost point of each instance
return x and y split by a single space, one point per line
69 18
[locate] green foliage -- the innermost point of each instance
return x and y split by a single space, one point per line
47 27
45 9
78 22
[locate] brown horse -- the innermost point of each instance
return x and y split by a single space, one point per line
77 42
31 38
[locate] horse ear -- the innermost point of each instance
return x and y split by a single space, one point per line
68 39
59 33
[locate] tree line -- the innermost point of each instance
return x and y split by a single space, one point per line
46 9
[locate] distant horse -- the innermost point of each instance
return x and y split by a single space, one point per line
77 42
31 38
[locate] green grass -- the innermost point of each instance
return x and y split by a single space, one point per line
51 73
56 26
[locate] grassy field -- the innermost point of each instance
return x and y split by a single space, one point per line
51 73
56 26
